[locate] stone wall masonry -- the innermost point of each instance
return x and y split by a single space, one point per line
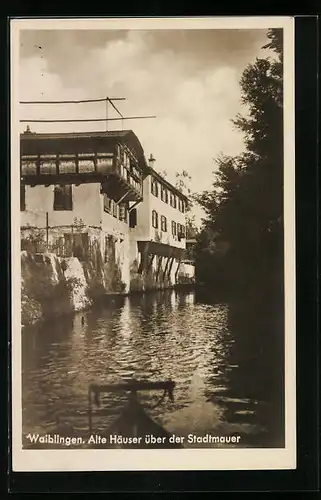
52 285
45 290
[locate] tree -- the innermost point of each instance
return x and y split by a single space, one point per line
183 184
244 208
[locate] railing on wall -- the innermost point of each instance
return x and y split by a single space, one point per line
63 240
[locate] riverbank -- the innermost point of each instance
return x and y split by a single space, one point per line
52 286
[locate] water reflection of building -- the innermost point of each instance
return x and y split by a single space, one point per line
95 197
125 321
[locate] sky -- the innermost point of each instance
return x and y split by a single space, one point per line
188 79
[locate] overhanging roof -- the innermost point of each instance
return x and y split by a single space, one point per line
65 142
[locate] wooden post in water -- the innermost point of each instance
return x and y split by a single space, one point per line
47 230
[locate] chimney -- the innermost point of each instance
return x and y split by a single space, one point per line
27 131
151 161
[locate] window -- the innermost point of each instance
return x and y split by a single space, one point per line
173 200
22 197
133 218
180 231
48 164
134 169
174 229
181 205
155 219
29 165
104 163
88 165
63 197
107 204
67 164
154 187
163 223
164 194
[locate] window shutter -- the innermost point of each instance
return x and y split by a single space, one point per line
122 212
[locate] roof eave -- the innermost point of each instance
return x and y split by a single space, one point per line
151 171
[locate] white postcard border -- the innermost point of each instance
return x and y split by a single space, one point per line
187 459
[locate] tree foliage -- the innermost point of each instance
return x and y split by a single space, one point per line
183 184
244 207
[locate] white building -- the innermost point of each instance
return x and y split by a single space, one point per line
159 234
93 196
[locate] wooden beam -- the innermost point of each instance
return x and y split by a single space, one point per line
159 266
150 262
176 272
123 197
133 206
170 268
143 258
166 266
132 386
141 264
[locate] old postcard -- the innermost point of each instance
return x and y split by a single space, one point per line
153 245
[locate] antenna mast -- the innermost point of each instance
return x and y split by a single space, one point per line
107 100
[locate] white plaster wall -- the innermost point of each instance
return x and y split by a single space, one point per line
120 230
172 214
40 199
144 213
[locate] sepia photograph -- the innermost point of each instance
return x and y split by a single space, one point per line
153 244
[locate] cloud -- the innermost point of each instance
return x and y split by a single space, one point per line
189 79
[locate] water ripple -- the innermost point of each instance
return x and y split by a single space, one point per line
157 337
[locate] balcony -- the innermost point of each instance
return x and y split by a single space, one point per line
114 159
116 179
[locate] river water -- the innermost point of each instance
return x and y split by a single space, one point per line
227 368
